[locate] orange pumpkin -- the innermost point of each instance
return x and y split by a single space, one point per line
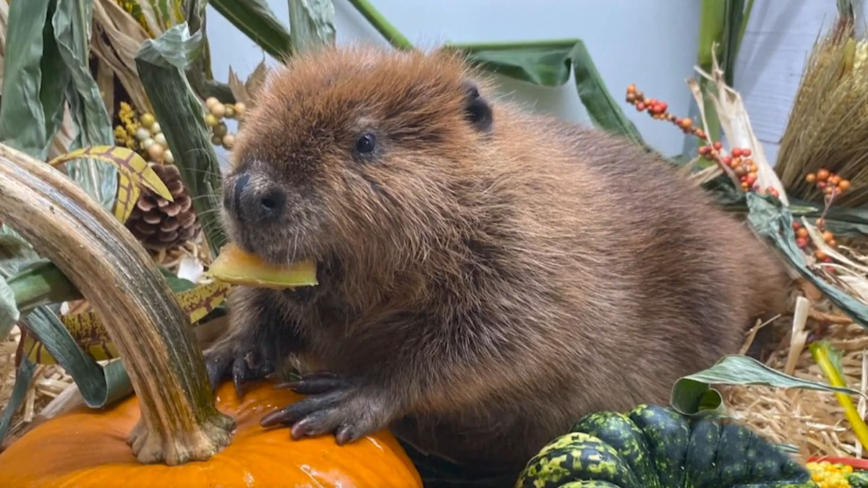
87 448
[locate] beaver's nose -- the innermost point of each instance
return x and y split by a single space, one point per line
252 201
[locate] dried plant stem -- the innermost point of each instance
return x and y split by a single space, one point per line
799 336
179 420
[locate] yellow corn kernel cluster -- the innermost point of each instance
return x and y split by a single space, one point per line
828 475
125 135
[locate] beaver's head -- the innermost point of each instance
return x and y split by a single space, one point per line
357 157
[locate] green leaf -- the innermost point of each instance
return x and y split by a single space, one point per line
72 32
386 29
735 21
692 395
549 63
722 24
194 13
158 15
99 386
161 64
176 283
176 48
846 10
15 255
29 119
9 314
256 20
41 284
841 221
775 223
311 24
45 68
25 373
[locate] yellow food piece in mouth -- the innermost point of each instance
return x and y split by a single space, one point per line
238 267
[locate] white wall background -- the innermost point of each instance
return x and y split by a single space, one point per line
650 43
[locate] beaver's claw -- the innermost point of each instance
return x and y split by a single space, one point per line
248 366
336 405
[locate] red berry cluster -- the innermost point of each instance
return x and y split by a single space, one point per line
658 111
738 161
737 164
803 240
829 183
740 164
742 168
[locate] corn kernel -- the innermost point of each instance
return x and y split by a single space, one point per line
828 475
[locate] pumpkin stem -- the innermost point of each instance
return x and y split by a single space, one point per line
101 258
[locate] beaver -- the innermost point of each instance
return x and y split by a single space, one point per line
486 275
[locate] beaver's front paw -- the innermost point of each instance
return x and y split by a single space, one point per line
336 405
247 365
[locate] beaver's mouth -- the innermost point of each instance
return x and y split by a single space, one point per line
329 271
276 255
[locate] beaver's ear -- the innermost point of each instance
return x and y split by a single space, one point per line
476 109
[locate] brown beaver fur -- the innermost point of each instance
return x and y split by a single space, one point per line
487 276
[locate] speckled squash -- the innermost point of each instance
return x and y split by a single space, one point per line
859 479
87 448
656 447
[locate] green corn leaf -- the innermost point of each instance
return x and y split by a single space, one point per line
387 30
72 31
735 23
199 72
256 20
100 386
194 13
42 283
176 283
33 106
156 16
161 64
549 63
841 221
311 24
722 25
846 9
692 395
9 313
23 376
15 255
46 68
775 223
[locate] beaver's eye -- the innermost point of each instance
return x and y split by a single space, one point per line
366 143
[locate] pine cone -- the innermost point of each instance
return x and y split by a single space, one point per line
161 224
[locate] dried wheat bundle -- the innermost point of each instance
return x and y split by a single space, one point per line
828 124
